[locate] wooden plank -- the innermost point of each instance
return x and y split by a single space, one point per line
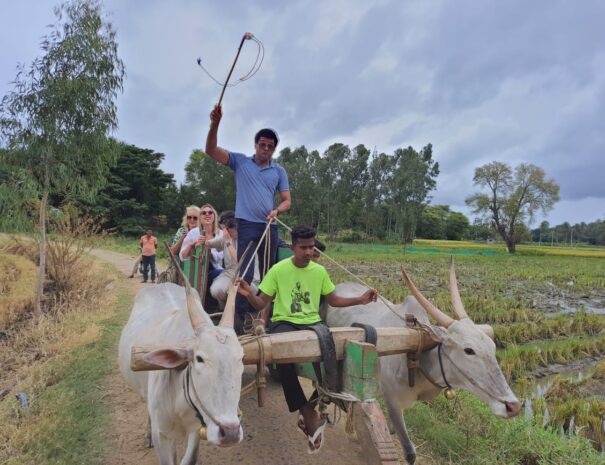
302 346
373 434
361 370
201 272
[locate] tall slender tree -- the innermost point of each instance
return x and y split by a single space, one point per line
57 119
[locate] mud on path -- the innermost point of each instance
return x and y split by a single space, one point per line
270 433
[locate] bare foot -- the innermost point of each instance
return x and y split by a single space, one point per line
311 423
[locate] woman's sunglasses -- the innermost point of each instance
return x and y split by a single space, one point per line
208 213
192 217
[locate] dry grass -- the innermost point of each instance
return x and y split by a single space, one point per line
17 285
37 353
74 302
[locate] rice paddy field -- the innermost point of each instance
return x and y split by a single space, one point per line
546 305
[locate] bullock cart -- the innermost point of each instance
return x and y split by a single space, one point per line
355 375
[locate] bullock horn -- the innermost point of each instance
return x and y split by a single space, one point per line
441 318
195 312
456 300
195 315
229 312
487 330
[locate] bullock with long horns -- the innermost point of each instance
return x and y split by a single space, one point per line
464 357
199 401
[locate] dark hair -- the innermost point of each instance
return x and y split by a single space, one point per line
320 245
302 232
267 133
230 223
226 215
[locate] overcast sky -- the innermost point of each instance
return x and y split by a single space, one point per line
513 81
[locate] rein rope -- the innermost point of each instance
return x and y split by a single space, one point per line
354 276
259 381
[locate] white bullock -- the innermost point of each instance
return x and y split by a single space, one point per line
207 391
466 357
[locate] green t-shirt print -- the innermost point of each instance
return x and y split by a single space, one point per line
297 291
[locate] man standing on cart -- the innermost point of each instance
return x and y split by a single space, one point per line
257 180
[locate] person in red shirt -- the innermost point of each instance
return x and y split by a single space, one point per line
149 244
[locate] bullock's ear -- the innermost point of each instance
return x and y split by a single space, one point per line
434 333
169 358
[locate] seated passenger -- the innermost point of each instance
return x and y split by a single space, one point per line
227 242
207 229
297 284
190 221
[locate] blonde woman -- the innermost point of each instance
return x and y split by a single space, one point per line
208 224
190 221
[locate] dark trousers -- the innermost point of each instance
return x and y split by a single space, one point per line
251 232
295 397
148 261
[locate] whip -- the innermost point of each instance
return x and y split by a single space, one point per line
260 55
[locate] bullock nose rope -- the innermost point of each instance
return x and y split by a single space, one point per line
187 385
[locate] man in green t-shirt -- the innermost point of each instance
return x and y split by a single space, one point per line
297 284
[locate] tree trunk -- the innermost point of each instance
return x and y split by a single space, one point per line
42 268
511 246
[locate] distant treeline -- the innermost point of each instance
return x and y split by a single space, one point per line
344 193
589 233
347 194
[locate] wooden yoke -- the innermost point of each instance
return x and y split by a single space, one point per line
303 346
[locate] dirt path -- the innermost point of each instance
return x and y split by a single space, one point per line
270 433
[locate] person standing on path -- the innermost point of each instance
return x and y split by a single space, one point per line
257 180
149 244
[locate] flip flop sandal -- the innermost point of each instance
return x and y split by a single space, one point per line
311 449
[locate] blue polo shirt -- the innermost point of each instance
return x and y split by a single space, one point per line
256 187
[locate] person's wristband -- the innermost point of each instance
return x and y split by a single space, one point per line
228 244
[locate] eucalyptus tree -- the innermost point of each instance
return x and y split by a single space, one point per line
512 198
376 195
301 166
56 120
414 177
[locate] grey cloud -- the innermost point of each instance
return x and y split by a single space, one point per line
513 81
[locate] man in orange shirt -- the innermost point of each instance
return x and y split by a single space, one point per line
149 244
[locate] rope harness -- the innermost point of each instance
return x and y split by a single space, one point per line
186 386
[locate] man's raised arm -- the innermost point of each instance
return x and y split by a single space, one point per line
212 148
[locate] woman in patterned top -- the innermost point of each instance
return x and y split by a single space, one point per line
190 219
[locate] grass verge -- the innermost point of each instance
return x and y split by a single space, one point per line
67 417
